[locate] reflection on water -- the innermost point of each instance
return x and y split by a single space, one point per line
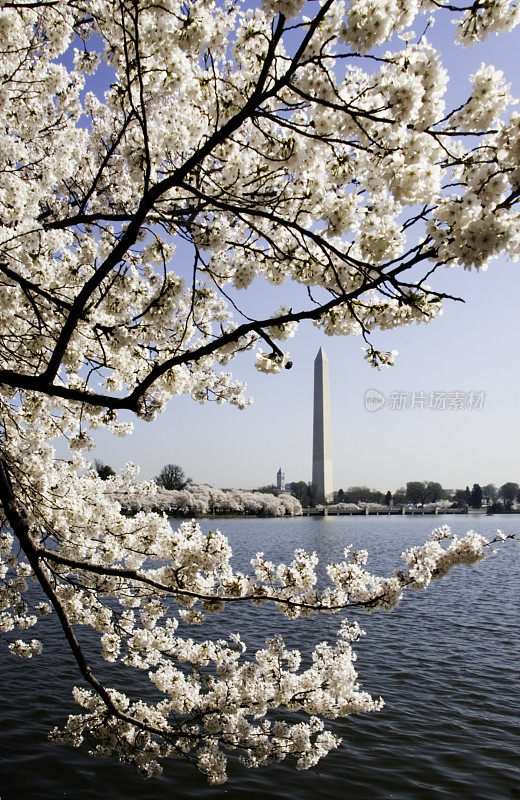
446 662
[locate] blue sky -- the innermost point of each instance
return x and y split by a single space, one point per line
472 347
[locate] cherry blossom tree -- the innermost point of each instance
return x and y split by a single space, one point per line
156 158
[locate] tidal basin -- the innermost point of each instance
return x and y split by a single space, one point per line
446 662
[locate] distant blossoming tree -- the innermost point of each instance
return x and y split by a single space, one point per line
281 142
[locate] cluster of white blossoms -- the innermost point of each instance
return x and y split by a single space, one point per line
26 649
431 561
270 362
195 500
481 19
158 161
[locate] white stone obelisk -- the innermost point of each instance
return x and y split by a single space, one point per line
321 443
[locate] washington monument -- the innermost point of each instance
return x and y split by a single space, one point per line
321 448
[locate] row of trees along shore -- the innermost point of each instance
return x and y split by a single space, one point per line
178 495
489 496
159 161
175 494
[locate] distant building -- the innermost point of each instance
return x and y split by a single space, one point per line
280 480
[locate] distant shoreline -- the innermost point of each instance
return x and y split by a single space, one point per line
311 512
398 512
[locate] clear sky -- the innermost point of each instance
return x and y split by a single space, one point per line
473 347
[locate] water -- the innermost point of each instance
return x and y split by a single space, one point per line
446 663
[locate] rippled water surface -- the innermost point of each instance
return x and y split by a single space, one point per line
446 662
